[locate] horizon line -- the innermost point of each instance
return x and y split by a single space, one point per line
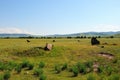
61 33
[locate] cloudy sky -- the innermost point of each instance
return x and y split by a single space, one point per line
59 16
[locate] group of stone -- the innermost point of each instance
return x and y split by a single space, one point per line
94 41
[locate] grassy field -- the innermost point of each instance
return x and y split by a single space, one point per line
15 52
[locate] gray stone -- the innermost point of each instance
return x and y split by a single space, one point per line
94 41
48 47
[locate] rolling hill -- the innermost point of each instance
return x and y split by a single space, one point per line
88 34
14 35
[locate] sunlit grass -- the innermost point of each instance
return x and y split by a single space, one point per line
68 51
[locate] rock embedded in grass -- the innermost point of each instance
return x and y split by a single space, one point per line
48 47
94 41
54 40
28 41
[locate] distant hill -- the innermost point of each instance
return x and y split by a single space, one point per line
14 35
88 34
117 35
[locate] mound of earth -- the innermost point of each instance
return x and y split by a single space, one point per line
36 51
107 55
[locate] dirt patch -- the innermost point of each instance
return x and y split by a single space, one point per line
95 66
107 55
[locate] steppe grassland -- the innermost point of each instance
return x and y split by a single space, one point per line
64 51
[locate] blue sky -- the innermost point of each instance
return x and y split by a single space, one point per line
59 16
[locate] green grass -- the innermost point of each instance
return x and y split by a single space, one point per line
91 77
66 53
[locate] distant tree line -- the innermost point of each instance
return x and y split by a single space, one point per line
68 37
83 37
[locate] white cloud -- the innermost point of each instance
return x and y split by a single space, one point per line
105 28
12 30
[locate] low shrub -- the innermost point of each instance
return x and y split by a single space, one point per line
91 77
75 71
64 66
7 66
100 69
6 75
38 72
10 65
2 66
42 77
114 77
57 68
89 64
81 67
18 68
30 66
108 70
24 64
41 64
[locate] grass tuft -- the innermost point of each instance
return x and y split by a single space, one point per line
41 64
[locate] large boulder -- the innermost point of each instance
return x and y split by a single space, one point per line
54 41
28 41
48 47
94 41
